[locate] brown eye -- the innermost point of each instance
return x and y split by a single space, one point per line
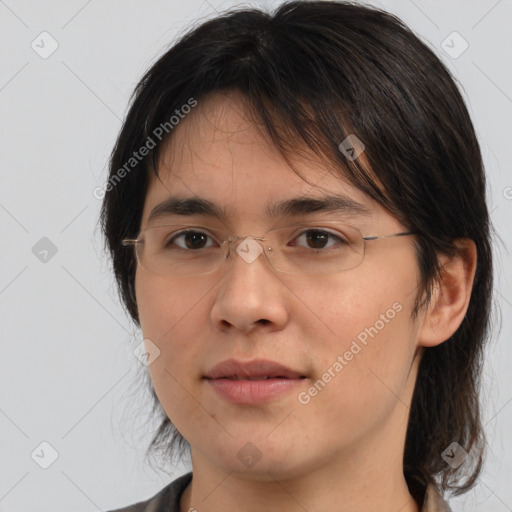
189 240
320 239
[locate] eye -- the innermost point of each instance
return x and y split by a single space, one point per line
321 238
189 239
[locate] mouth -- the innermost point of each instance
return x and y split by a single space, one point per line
258 369
267 377
252 382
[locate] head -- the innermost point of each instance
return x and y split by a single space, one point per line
251 109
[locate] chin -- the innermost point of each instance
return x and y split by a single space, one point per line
256 457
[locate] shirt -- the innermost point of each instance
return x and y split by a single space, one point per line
168 499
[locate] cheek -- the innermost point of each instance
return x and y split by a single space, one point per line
364 355
165 305
173 317
362 377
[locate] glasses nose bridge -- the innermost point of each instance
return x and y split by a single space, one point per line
232 243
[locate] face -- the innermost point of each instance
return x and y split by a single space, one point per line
349 335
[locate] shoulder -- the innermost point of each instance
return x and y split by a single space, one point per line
166 500
434 501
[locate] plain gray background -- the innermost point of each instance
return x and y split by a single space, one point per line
68 375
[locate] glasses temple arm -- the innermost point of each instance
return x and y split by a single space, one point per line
377 237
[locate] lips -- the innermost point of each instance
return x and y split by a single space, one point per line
259 369
238 377
252 383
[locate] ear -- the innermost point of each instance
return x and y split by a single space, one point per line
450 299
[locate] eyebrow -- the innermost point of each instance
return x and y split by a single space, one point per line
294 207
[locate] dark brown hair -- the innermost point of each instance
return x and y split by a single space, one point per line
314 72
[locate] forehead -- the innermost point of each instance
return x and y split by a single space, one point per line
220 153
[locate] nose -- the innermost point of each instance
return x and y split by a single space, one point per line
250 294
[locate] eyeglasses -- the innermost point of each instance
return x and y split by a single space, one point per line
326 247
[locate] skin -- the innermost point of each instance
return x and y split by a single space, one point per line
344 449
